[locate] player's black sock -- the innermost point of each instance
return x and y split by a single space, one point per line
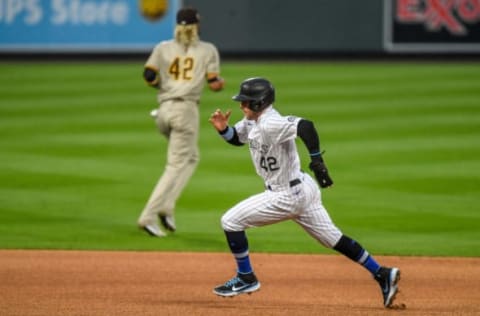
357 253
238 243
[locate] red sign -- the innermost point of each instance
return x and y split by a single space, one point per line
432 24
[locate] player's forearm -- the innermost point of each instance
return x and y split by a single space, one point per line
308 134
231 136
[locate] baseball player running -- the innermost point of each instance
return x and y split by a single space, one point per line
289 192
178 68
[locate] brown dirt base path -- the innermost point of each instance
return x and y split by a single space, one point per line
165 283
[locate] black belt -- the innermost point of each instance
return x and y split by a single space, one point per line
182 100
292 183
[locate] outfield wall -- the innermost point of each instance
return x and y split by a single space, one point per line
344 26
246 27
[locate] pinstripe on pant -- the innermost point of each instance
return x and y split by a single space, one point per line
301 203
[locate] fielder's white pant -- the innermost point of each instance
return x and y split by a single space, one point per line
301 203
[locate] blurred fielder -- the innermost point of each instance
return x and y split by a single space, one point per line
179 69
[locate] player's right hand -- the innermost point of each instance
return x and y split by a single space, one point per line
219 120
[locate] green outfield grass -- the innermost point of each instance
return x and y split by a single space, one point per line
80 155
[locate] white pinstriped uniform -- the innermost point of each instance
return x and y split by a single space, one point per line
274 153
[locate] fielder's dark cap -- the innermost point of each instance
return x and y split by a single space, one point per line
188 16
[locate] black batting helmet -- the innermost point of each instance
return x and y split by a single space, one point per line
258 92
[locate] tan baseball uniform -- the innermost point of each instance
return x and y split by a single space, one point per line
182 72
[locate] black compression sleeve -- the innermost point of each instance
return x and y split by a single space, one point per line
237 241
308 134
349 248
213 79
231 136
149 74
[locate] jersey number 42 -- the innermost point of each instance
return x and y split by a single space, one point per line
181 68
268 163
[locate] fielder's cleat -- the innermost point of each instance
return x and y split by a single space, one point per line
168 222
240 284
153 230
388 279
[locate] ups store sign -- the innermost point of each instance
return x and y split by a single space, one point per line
85 25
432 26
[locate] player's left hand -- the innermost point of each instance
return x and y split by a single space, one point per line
217 85
321 173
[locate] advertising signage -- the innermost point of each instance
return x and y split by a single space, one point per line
85 25
432 25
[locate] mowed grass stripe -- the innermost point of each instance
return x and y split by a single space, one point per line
80 155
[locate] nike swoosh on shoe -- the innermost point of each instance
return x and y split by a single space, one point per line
237 289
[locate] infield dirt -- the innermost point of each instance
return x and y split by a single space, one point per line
166 283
